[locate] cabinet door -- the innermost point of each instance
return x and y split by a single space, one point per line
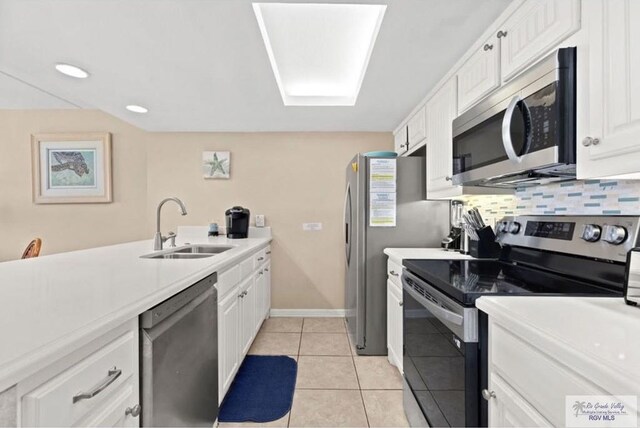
394 324
479 75
508 409
533 30
228 341
267 287
417 128
400 143
612 146
247 315
260 296
441 110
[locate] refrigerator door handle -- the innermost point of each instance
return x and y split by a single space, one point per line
347 223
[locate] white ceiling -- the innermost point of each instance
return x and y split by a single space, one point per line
201 65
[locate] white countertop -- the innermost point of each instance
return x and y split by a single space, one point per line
399 254
578 331
50 302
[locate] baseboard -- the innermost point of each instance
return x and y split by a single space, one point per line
309 313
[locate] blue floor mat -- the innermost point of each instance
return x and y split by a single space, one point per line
262 390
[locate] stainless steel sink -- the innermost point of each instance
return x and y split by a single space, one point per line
173 255
187 252
202 249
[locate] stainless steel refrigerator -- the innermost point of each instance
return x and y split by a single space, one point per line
418 224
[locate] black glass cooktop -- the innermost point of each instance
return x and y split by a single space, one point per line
466 280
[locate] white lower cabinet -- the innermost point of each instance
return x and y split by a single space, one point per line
610 146
228 340
509 409
394 324
528 381
97 385
241 310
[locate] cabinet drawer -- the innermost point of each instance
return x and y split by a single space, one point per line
259 258
509 409
394 271
228 279
247 267
60 401
114 412
540 380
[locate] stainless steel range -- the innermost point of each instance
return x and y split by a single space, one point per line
445 335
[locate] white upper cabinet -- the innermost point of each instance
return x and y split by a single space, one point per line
610 145
400 142
479 75
535 28
441 110
417 128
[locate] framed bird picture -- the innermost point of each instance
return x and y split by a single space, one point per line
71 168
216 164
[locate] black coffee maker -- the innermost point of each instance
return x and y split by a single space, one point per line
237 222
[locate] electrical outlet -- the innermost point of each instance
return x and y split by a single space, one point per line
260 220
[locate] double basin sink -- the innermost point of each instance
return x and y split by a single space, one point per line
189 252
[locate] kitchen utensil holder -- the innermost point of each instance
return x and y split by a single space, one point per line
486 246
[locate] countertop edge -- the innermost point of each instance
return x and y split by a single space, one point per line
28 364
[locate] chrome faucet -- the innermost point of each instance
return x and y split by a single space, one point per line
158 239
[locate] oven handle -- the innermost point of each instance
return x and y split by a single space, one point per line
506 130
440 312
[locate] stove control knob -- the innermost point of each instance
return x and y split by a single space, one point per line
591 232
614 234
514 227
502 226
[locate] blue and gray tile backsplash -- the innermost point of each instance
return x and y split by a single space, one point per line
588 197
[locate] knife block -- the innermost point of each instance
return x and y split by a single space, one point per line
486 246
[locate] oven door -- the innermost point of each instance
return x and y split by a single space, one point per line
527 126
441 362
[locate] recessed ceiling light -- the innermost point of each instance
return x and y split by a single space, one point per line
137 109
319 53
72 70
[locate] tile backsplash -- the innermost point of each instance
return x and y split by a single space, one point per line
588 197
610 197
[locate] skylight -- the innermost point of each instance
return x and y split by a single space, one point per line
319 53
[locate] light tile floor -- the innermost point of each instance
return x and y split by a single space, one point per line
335 387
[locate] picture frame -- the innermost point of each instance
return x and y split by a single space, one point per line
71 168
216 164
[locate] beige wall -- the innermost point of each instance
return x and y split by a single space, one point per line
77 226
291 178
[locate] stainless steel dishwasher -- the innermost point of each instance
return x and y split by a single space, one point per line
179 358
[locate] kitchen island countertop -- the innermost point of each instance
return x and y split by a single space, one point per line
50 303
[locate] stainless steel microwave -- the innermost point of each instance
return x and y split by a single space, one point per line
525 133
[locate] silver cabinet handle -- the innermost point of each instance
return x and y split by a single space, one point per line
488 395
266 269
501 34
260 259
245 293
133 411
112 375
448 178
400 303
393 272
487 47
261 272
268 252
241 295
588 141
